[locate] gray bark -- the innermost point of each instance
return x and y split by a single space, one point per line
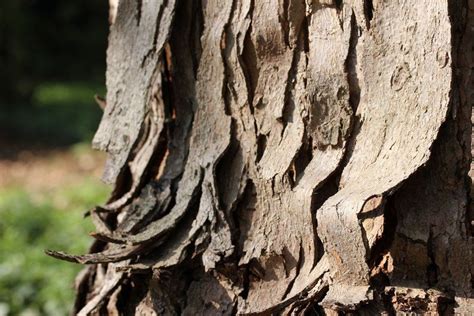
285 157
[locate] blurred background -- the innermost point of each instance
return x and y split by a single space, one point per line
52 62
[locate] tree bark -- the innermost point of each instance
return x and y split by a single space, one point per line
285 157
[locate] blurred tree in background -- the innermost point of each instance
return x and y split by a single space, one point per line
51 52
50 40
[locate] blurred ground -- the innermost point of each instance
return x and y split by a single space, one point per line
41 171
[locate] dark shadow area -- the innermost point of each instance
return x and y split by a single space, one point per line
52 61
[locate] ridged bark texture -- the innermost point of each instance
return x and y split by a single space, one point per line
285 157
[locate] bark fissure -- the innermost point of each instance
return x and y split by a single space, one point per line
248 59
368 11
139 11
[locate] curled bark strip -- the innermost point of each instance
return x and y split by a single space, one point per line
100 101
211 133
112 279
316 283
114 254
99 221
129 88
147 203
153 127
157 229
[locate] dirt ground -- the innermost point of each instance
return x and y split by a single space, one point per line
47 169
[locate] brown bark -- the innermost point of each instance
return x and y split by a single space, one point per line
285 157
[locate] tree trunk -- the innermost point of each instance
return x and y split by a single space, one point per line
285 157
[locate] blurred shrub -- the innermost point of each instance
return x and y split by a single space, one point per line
30 282
60 114
60 93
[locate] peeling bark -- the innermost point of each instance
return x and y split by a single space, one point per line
285 157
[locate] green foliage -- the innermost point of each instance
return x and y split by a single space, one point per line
60 93
60 114
30 280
